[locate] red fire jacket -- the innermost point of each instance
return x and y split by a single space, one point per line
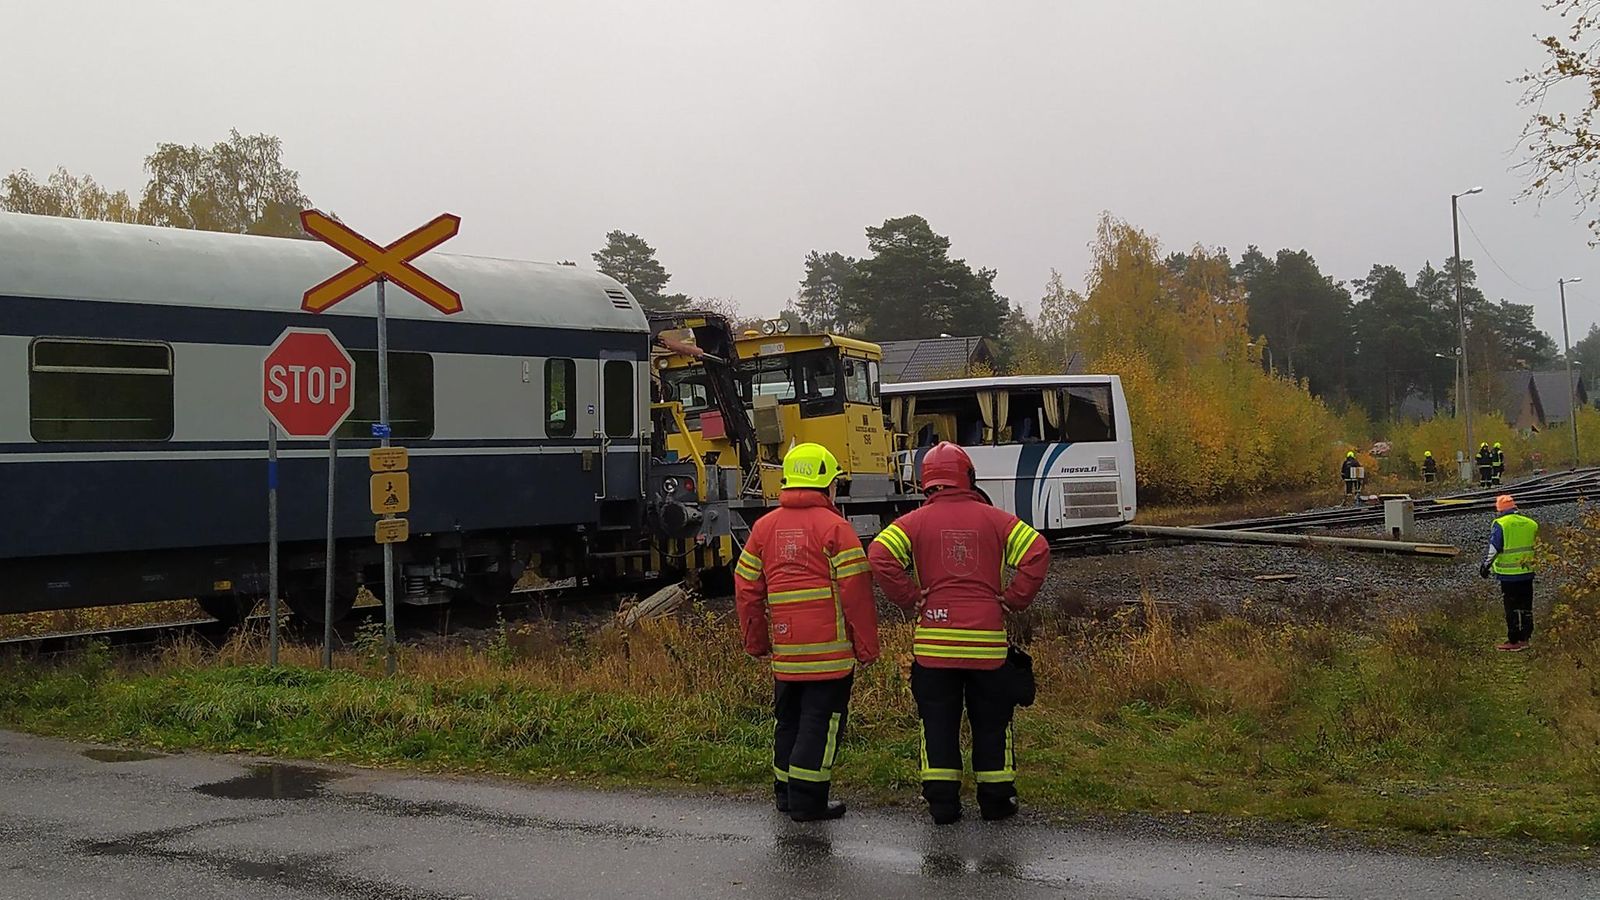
804 576
950 557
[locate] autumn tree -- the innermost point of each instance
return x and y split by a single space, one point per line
239 185
1396 334
909 287
65 194
1586 355
1560 144
630 260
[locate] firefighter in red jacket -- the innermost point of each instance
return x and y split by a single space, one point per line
946 560
803 587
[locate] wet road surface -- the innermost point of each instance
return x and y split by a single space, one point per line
84 823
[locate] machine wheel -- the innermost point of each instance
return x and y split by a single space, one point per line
229 609
303 593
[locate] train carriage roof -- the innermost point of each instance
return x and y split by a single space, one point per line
45 256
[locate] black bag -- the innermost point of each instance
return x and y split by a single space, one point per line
1019 668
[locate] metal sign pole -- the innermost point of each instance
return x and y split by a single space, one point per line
272 544
327 589
383 437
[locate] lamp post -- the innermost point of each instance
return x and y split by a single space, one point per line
1455 362
1461 313
1566 349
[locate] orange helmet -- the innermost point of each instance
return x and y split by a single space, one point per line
947 465
1504 503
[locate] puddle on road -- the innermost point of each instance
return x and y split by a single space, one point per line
112 755
273 781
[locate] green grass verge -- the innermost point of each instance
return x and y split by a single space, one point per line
1414 724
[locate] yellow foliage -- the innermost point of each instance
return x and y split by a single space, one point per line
1207 421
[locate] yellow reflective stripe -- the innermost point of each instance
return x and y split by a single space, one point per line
803 649
929 773
1000 777
748 574
948 652
815 665
831 750
860 568
780 774
845 556
1017 543
750 559
960 634
894 540
805 774
801 595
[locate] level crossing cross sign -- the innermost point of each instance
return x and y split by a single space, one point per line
308 383
391 263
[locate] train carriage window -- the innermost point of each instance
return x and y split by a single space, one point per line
1088 413
99 391
560 398
410 396
619 398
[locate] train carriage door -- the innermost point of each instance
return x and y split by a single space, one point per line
617 421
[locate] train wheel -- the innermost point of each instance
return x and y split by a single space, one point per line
303 593
229 609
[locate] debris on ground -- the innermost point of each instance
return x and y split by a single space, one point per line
659 605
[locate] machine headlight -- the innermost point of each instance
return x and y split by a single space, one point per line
669 485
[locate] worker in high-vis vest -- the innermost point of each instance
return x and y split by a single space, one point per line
1497 463
803 589
948 561
1510 561
1430 467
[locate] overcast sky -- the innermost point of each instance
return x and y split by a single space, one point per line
736 136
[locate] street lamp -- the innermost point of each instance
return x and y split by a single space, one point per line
1566 346
1455 362
1461 313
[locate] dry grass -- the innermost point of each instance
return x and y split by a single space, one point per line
96 618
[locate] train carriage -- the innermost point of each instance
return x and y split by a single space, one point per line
132 437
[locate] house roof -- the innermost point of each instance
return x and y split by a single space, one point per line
932 358
1550 393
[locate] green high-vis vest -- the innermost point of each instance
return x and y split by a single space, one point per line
1517 535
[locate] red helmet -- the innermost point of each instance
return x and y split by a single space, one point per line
947 465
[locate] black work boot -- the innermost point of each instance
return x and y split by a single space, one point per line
944 801
997 801
780 794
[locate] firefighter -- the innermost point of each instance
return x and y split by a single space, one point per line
1510 561
1497 462
945 561
803 588
1485 463
1347 471
1430 468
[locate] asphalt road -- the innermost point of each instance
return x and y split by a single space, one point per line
82 823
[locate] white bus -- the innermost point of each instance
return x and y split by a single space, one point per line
1054 450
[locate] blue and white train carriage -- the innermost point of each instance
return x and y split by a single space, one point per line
1054 450
132 437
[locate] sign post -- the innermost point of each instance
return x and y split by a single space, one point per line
308 390
380 265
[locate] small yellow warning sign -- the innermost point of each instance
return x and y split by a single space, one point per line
387 459
391 531
391 493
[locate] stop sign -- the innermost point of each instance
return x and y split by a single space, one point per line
308 383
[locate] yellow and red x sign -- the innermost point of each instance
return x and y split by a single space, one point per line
392 263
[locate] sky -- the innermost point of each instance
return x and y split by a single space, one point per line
737 136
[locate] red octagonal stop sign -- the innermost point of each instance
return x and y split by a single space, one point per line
308 383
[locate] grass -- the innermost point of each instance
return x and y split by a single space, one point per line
1409 724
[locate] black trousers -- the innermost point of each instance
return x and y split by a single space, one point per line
940 695
805 741
1518 598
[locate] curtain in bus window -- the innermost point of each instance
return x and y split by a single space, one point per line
897 413
1002 414
986 409
1052 409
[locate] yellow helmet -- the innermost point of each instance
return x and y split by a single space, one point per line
1349 454
1427 453
809 466
1497 445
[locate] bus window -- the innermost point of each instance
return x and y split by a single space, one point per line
1088 414
858 386
1029 421
948 417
